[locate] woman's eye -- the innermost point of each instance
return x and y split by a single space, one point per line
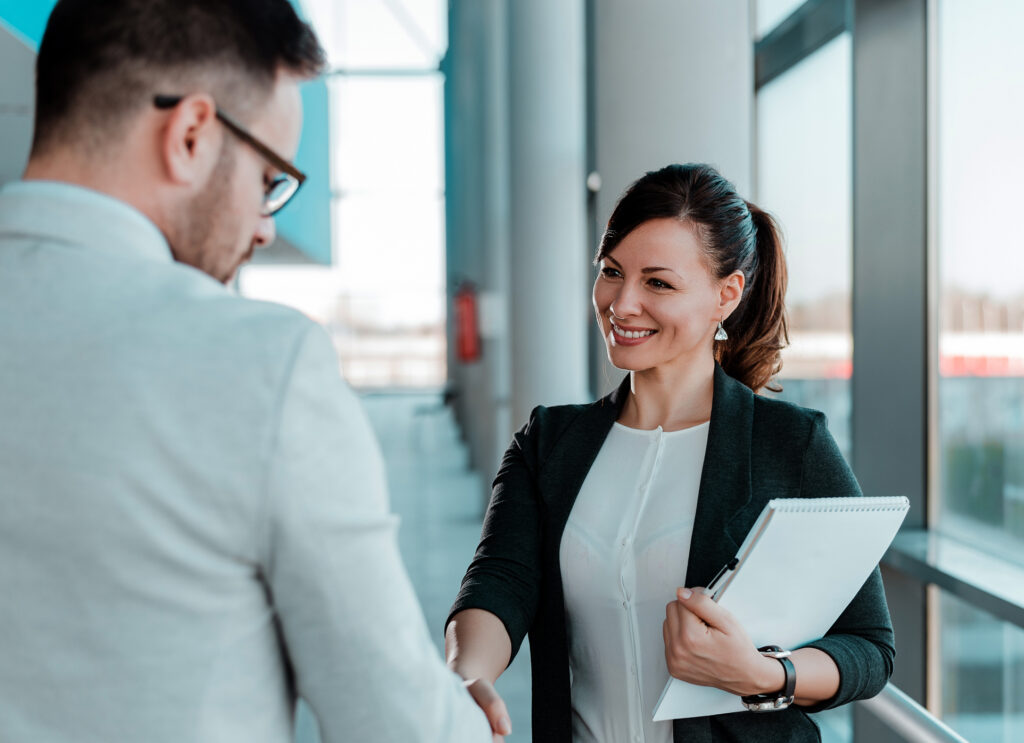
659 284
610 273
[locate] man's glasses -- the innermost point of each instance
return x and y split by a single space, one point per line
281 189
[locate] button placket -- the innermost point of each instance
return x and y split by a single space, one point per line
628 559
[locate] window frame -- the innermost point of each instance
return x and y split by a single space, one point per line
895 407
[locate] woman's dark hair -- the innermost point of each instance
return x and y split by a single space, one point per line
736 236
101 59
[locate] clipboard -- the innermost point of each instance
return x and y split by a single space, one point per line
826 548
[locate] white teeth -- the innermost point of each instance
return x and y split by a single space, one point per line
630 334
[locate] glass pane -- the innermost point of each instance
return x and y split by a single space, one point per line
804 145
389 315
381 34
982 673
394 248
770 13
388 133
981 310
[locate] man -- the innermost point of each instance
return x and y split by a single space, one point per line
193 518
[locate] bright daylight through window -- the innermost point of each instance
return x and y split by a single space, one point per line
383 296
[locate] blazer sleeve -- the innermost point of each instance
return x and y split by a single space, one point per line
861 640
505 575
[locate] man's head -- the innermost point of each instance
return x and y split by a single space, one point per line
197 166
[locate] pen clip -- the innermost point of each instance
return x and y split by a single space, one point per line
712 587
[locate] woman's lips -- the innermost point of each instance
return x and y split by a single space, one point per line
630 336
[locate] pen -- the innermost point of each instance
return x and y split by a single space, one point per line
712 587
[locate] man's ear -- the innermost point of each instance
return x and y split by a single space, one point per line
730 292
191 140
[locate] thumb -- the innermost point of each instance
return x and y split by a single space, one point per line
493 706
694 600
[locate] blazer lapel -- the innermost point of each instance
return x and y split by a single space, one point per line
725 486
568 463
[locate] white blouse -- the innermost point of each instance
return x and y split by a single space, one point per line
623 554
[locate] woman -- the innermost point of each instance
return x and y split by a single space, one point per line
601 512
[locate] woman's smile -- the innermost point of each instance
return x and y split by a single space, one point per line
625 335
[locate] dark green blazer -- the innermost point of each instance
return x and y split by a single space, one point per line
758 449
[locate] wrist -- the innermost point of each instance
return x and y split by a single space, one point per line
774 698
769 678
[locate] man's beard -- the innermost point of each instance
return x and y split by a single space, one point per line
207 235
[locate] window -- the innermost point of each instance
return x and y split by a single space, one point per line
388 215
980 158
770 13
982 671
383 297
804 179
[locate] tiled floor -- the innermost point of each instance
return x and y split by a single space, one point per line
440 503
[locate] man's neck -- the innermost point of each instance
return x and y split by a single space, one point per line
64 166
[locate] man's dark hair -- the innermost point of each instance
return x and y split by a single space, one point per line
99 60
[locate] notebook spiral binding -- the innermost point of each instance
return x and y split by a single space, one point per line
826 505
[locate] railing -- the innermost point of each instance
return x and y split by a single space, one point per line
907 720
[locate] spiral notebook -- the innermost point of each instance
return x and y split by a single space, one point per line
802 562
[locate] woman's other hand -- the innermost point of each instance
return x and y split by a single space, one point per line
705 645
492 704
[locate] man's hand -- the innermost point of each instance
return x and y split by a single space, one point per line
705 645
487 698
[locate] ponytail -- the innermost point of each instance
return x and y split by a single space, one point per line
758 328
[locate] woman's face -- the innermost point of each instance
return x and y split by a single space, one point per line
656 302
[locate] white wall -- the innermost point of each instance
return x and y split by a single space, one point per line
674 83
17 99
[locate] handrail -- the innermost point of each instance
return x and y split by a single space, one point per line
986 581
907 718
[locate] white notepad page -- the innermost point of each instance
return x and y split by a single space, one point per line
799 567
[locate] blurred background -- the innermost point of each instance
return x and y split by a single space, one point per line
464 156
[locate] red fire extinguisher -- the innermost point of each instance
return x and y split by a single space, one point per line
467 324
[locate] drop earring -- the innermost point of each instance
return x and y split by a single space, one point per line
720 334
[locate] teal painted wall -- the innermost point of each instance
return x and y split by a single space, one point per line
306 222
27 17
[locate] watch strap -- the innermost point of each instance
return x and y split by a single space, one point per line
781 699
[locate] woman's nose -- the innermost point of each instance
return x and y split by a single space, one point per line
626 302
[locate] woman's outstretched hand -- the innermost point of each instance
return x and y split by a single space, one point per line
487 698
705 645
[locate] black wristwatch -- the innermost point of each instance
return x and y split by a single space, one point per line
780 699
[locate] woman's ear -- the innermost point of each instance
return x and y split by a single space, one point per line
191 140
730 292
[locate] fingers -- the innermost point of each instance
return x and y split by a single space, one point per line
673 620
685 635
703 607
492 704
